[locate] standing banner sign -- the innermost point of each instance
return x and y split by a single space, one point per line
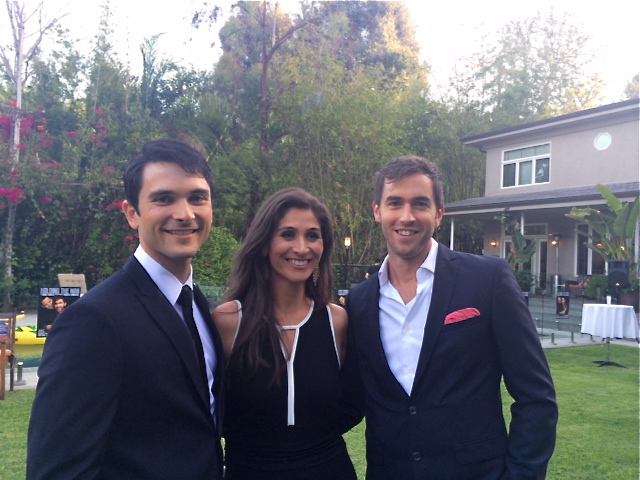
53 300
562 305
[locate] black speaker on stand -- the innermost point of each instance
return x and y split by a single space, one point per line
618 276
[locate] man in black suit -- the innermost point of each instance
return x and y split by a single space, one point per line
122 391
435 332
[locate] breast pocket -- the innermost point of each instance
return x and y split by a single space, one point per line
468 323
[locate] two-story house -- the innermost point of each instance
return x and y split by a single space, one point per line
540 170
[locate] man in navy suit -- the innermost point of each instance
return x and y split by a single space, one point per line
434 333
122 391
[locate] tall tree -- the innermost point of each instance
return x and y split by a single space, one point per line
631 90
17 62
251 41
347 69
344 107
536 69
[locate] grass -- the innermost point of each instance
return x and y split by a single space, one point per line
15 410
598 430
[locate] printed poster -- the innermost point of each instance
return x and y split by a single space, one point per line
53 301
562 305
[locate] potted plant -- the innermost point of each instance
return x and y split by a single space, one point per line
611 235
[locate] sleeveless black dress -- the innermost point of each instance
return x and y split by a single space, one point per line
289 431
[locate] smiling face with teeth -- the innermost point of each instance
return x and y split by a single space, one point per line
173 216
296 247
408 216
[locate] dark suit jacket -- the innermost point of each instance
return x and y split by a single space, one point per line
452 426
119 396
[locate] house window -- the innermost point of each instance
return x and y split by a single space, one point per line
526 166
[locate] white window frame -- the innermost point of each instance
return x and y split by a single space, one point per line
533 159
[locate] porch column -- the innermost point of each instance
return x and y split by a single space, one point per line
453 225
636 243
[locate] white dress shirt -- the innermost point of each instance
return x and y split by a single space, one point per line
402 325
171 287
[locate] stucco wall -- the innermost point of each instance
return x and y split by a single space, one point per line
575 161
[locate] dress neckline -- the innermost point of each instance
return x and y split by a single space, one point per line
302 322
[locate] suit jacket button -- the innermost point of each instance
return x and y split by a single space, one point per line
412 410
416 456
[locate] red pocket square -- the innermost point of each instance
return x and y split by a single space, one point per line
461 315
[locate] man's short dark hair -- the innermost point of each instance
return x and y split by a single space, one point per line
164 151
402 167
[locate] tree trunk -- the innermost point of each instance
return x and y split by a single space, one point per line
6 251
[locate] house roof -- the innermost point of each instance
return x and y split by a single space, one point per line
606 114
540 200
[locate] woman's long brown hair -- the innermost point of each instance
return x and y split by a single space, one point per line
250 278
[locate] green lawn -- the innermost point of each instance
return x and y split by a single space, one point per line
598 429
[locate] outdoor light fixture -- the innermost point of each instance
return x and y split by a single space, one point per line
494 243
555 240
345 267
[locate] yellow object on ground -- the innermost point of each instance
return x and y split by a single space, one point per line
27 336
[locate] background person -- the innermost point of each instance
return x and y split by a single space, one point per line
285 345
373 269
434 333
121 393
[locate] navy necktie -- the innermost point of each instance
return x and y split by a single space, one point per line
186 302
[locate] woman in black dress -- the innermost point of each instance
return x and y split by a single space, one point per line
285 407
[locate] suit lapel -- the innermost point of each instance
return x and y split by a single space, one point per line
443 287
203 304
164 315
205 310
372 330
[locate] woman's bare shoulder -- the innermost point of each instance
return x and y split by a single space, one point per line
339 315
227 308
226 315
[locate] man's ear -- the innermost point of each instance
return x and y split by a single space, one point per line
439 216
131 214
376 211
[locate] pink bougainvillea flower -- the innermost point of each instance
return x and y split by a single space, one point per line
115 205
14 196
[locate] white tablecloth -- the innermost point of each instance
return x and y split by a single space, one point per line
609 321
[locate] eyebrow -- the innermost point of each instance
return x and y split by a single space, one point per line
200 191
395 198
287 227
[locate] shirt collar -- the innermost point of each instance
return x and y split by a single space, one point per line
168 284
429 264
